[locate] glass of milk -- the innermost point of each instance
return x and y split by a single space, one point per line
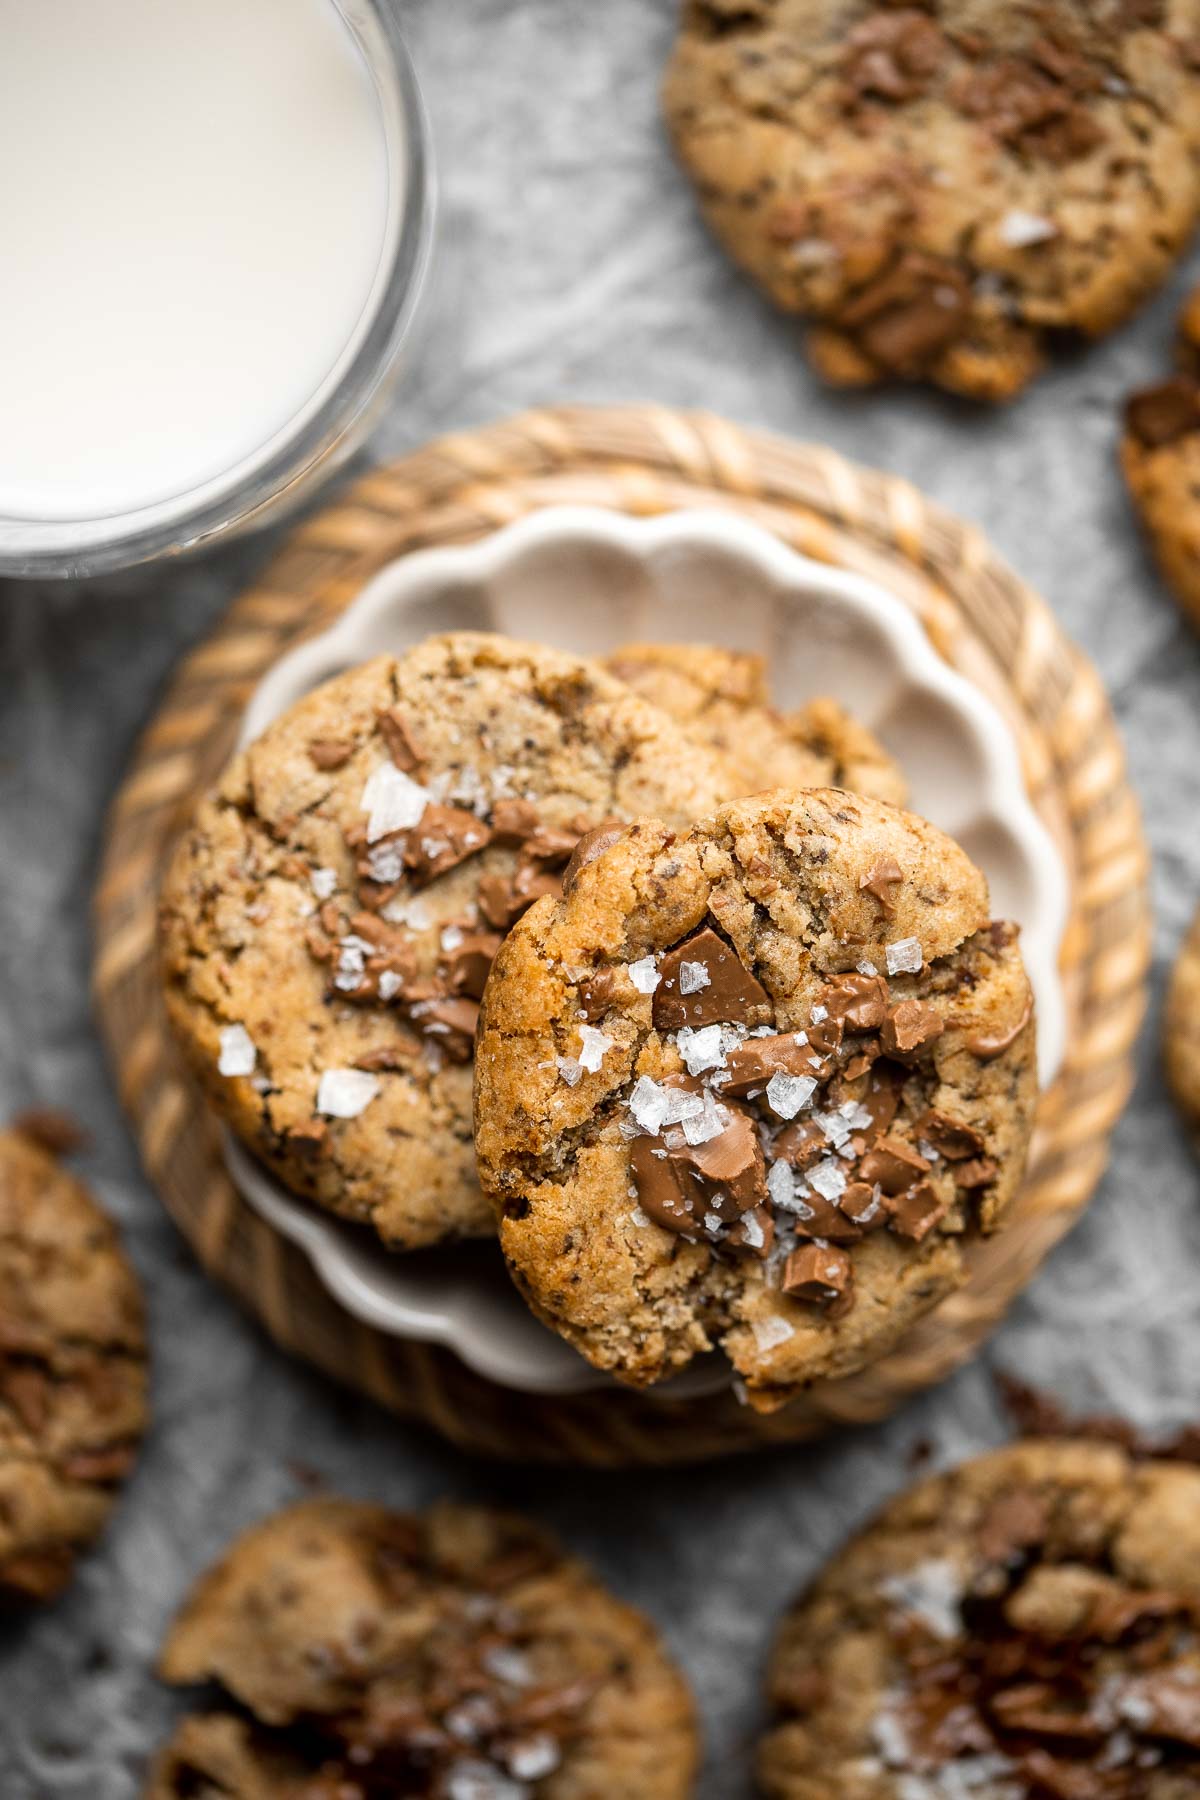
215 228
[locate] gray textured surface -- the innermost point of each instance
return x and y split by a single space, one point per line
575 269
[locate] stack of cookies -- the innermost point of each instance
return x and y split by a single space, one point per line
618 964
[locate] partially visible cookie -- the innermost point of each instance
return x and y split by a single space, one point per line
329 918
72 1370
723 698
451 1655
1025 1627
1160 454
754 1085
1181 1026
942 187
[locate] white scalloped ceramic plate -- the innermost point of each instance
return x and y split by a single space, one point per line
587 580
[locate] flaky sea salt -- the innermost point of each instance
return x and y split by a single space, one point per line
709 1122
392 801
534 1757
237 1054
827 1178
819 1014
385 863
866 968
701 1050
752 1232
648 1104
344 1093
781 1185
595 1045
836 1128
904 957
1020 229
482 1781
509 1665
786 1094
931 1592
352 962
770 1333
638 1217
570 1070
452 937
324 881
411 912
389 984
644 976
692 977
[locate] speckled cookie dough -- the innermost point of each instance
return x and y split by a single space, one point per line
1181 1027
329 919
723 698
942 187
453 1655
1022 1628
72 1370
756 1085
1160 455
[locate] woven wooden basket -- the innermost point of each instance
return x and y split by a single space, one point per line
642 460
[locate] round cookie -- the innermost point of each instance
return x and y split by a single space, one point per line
1181 1026
1021 1628
72 1370
330 916
755 1086
942 187
723 698
453 1655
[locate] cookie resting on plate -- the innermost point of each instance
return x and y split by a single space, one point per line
329 918
452 1655
942 188
72 1370
1024 1627
757 1085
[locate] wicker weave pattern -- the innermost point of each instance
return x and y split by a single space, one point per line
642 460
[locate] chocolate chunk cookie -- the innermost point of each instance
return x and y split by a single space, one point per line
756 1085
1022 1628
941 187
1181 1027
455 1655
1160 454
72 1370
330 917
723 698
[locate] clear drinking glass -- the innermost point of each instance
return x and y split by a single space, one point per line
332 424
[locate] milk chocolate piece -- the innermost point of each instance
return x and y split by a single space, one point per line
732 995
820 1275
882 1098
989 1045
660 1195
862 1203
977 1173
445 836
951 1138
752 1063
599 993
802 1143
467 967
822 1219
330 753
1163 414
499 901
909 1026
548 844
880 879
512 821
861 1001
914 1213
729 1168
760 1221
1013 1522
591 845
451 1023
396 732
894 1164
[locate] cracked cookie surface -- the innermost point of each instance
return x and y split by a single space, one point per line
459 1652
329 918
1021 1628
723 698
72 1370
940 188
755 1085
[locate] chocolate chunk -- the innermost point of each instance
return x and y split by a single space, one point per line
1163 414
910 313
599 993
396 732
1014 1522
513 821
909 1026
467 966
914 1213
893 56
548 844
979 1172
883 875
1036 1708
860 1001
821 1276
802 1144
751 1064
951 1138
893 1164
660 1194
754 1231
822 1219
862 1203
451 1023
731 993
330 753
499 901
992 1044
51 1130
882 1096
446 836
591 845
728 1168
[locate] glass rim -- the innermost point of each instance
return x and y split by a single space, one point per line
311 444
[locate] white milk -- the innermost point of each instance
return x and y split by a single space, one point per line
192 208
